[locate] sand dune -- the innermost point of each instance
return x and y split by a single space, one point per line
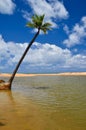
58 74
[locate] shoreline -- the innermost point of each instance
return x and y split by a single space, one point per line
53 74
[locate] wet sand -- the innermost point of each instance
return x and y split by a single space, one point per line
54 74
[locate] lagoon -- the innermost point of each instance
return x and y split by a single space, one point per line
44 103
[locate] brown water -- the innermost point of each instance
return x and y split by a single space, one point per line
44 103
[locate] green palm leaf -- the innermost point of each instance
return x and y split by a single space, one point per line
37 22
30 25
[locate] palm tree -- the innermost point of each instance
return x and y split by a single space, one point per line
38 23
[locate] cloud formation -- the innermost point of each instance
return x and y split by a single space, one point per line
7 6
53 9
41 58
77 34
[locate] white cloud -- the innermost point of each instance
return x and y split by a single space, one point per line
41 58
7 7
78 33
53 9
66 29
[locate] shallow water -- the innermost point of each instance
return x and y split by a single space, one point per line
44 103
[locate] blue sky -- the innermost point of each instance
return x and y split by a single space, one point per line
61 50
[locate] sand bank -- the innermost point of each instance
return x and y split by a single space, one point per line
58 74
17 75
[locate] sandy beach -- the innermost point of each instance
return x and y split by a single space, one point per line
58 74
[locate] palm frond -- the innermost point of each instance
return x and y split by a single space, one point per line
37 22
42 17
29 24
47 25
44 30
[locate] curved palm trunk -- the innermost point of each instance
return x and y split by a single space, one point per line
21 59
